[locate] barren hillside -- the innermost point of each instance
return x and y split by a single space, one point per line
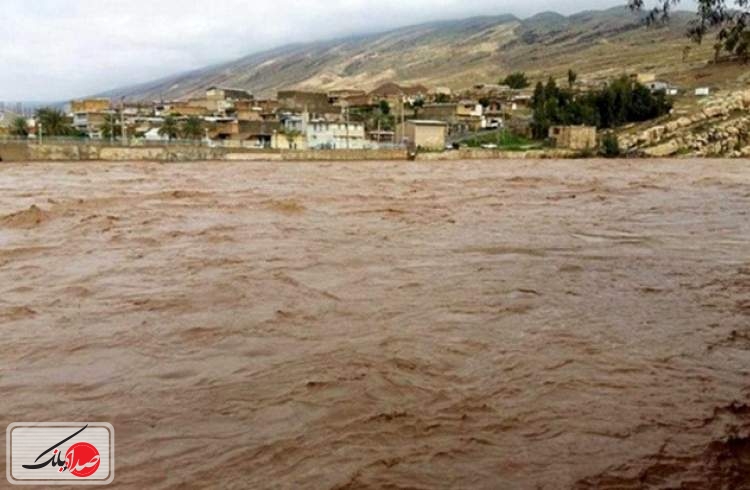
596 44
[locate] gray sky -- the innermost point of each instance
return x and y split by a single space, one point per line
59 49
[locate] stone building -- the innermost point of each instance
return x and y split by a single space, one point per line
299 101
573 137
425 134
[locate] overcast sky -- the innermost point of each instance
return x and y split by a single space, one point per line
54 50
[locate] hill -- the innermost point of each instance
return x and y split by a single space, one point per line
457 54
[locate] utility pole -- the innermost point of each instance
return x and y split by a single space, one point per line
122 120
403 121
346 121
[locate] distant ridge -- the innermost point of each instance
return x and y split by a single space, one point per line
454 54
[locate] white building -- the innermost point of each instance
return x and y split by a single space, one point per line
327 135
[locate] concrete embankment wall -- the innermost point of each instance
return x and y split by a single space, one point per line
14 152
344 155
479 154
78 152
175 153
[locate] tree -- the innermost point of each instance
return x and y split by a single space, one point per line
622 101
610 147
442 98
385 108
729 18
19 127
192 128
572 77
540 123
516 80
54 122
169 128
111 129
291 137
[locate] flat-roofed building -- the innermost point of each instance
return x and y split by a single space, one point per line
327 135
573 137
424 134
89 105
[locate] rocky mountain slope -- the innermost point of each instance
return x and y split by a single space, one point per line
456 54
719 126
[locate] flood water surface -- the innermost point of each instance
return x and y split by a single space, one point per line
483 325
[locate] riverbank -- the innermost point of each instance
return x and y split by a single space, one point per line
24 152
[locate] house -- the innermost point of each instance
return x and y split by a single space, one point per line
320 134
92 123
301 101
643 78
90 115
702 92
246 110
336 97
522 98
224 130
327 135
89 105
573 137
257 134
7 120
661 86
220 100
394 93
195 107
423 134
354 101
267 105
218 93
382 137
461 117
291 134
289 141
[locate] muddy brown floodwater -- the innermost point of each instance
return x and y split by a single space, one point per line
475 325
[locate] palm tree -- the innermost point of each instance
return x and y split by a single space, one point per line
169 128
111 127
19 127
192 128
54 122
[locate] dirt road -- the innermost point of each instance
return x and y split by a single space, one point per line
535 324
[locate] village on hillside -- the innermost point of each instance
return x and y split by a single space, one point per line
390 116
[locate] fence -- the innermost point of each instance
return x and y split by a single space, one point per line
72 140
174 143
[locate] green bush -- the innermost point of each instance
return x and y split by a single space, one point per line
610 147
516 80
